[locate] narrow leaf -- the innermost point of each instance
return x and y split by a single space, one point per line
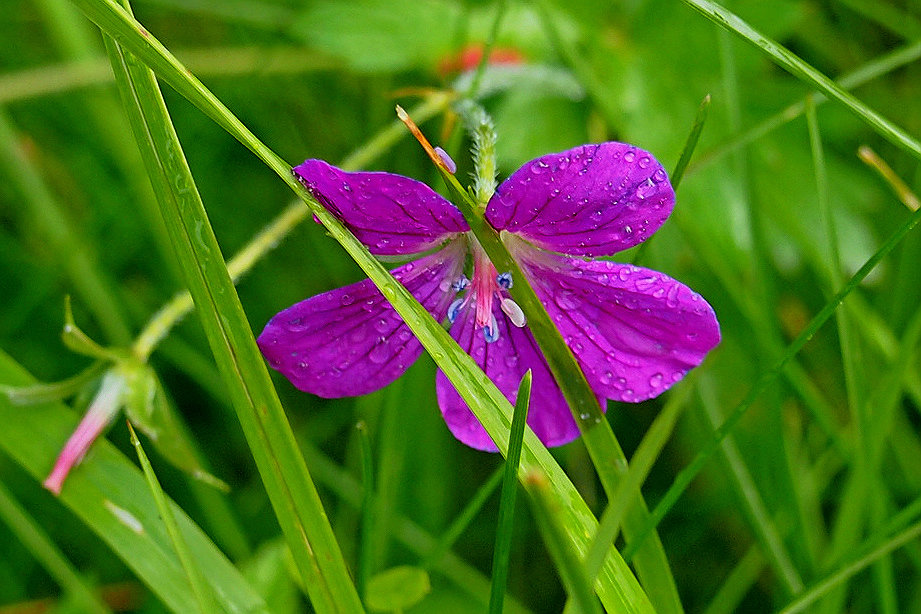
203 594
505 524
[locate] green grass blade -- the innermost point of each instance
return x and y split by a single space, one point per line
753 506
618 586
416 539
684 478
47 214
40 545
365 555
567 563
843 573
284 473
462 520
797 67
108 494
640 465
203 595
504 526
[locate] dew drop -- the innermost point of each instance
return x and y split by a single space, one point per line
659 176
644 283
380 352
539 167
672 299
629 156
606 377
346 299
644 162
656 380
566 299
511 360
381 325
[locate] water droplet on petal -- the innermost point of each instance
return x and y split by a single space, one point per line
644 162
511 360
659 176
656 380
346 299
380 352
672 299
566 299
381 325
644 283
630 156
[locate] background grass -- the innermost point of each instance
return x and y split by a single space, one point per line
822 471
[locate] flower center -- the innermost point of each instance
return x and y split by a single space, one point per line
486 286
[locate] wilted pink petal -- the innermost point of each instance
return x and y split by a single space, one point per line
102 410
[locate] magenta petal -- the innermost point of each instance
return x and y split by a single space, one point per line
594 200
350 341
391 214
505 361
635 332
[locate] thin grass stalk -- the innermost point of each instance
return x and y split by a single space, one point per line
790 62
200 588
848 570
505 525
576 581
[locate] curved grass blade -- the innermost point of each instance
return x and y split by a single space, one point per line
843 573
289 486
617 586
798 68
200 588
507 503
107 492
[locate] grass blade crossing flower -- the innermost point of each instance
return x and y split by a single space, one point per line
635 332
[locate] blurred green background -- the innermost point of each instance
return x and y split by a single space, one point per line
319 79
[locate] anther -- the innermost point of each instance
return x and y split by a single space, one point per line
454 309
491 331
460 283
513 311
504 280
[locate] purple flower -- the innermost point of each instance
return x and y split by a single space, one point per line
634 331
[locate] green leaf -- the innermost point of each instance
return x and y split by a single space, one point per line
397 588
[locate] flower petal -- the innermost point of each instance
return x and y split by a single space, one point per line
350 341
389 213
593 200
634 331
505 361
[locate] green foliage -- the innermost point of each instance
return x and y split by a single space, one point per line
783 475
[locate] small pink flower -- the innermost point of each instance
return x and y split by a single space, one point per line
634 331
